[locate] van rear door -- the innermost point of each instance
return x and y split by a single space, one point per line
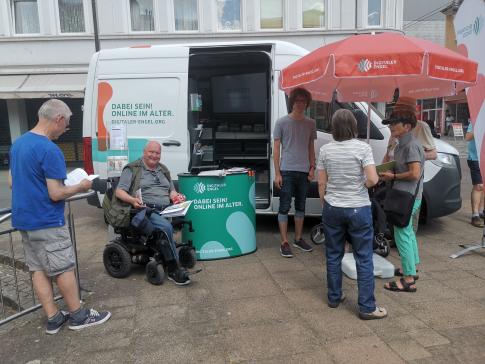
141 95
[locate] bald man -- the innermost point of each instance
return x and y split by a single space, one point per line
157 190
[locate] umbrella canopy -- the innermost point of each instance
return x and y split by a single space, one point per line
369 67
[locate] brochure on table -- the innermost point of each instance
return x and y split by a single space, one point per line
224 172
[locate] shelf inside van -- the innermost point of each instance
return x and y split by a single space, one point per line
240 135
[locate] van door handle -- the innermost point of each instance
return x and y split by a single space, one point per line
171 143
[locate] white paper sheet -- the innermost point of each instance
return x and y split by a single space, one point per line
77 175
117 137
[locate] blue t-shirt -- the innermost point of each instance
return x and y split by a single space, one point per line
34 158
472 147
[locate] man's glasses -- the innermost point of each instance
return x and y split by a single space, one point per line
66 122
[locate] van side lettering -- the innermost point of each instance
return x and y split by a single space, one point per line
124 113
141 106
161 113
122 106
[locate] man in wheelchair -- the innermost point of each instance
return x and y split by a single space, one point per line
146 185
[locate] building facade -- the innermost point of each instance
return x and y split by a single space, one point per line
46 45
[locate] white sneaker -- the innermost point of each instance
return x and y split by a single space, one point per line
379 313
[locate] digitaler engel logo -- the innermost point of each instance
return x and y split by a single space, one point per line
477 24
199 187
364 65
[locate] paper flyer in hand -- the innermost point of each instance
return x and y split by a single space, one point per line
179 209
77 175
389 166
139 195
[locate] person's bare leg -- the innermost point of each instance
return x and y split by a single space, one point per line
67 284
43 288
477 198
283 231
298 228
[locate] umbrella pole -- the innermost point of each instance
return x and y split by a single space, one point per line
368 121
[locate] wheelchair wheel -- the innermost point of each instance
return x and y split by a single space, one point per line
187 257
316 234
117 261
155 273
383 247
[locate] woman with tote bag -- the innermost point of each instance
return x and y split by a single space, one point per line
407 188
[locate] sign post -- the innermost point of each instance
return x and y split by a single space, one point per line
457 130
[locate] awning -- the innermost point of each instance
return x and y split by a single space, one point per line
8 85
61 85
460 98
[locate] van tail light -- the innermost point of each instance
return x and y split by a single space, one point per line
88 155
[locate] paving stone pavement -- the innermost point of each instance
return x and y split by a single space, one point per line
262 308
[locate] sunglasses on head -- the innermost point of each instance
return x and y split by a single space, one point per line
397 120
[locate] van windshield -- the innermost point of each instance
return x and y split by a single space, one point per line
321 112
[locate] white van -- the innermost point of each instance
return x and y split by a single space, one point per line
214 106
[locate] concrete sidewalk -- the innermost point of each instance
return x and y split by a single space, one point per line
263 308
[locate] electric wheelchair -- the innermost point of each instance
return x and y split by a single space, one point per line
146 245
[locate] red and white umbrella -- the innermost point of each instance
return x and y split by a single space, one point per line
370 67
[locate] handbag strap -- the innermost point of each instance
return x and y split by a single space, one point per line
389 186
419 181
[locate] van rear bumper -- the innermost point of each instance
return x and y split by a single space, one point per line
442 194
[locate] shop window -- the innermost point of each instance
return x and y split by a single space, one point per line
26 16
229 14
71 16
313 12
142 15
186 15
271 16
374 11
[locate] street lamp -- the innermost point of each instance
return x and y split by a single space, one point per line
95 24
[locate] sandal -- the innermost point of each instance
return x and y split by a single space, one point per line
399 273
406 287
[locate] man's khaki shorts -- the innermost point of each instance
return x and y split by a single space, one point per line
49 250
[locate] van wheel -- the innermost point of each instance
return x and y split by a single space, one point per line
155 273
317 235
117 261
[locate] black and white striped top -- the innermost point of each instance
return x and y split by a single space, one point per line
344 163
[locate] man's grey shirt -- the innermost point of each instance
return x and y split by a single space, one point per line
407 151
295 136
155 187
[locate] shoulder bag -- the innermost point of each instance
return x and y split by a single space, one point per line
398 205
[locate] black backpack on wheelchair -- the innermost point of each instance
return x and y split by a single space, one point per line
144 245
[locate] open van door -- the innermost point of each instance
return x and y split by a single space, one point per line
140 97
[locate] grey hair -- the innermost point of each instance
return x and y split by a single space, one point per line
53 108
150 142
